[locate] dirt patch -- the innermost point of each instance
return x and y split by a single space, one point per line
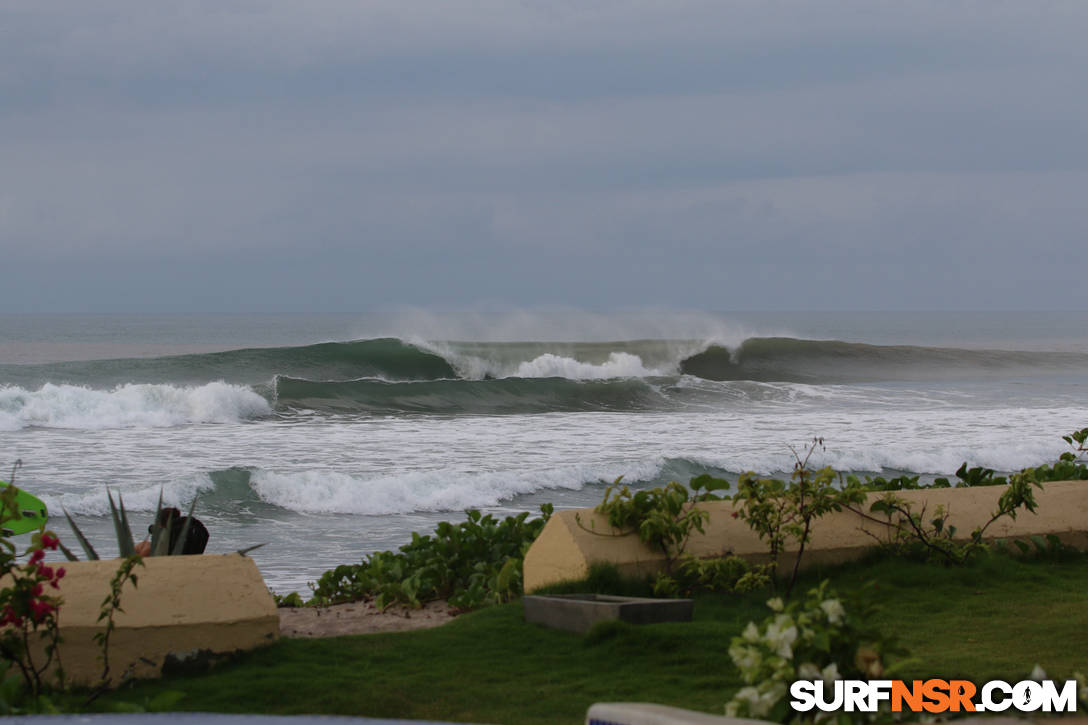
360 618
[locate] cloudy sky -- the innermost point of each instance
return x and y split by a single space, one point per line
281 156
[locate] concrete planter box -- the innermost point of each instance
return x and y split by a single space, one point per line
579 612
571 541
187 611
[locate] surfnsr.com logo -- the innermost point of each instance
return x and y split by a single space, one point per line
933 696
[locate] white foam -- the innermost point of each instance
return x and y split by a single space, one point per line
127 406
440 490
551 365
618 365
178 494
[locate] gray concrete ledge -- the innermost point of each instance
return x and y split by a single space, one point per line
579 612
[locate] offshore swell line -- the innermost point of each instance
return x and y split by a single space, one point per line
391 376
777 359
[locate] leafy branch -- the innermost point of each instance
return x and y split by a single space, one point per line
664 518
111 605
780 511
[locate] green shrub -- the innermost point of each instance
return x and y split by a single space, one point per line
824 636
664 517
722 574
288 601
603 578
782 511
915 532
472 564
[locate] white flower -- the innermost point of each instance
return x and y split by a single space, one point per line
1037 673
751 632
783 668
808 671
747 659
768 699
1083 682
749 695
783 620
831 673
834 610
776 604
759 701
780 637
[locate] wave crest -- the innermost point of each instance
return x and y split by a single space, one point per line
127 406
618 365
333 492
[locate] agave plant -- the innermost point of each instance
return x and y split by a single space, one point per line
126 544
160 535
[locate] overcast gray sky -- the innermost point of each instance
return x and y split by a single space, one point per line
283 156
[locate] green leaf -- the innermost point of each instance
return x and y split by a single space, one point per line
165 701
92 555
120 526
709 483
124 522
160 537
179 545
67 552
158 545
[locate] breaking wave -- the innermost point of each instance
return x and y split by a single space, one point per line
127 406
389 376
332 492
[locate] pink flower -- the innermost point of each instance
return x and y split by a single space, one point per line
49 541
37 556
45 572
40 609
10 617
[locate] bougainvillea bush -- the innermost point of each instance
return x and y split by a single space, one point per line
29 605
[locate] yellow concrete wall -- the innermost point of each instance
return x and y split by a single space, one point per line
565 548
181 606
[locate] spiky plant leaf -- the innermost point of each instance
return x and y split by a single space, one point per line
67 552
161 547
179 545
120 526
92 555
159 544
124 520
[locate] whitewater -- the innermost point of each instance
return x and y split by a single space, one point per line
326 445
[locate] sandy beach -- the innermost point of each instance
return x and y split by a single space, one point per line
360 618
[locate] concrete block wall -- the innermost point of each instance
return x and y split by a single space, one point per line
184 609
572 541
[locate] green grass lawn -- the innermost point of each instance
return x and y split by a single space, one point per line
993 619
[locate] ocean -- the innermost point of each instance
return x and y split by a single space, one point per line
326 438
